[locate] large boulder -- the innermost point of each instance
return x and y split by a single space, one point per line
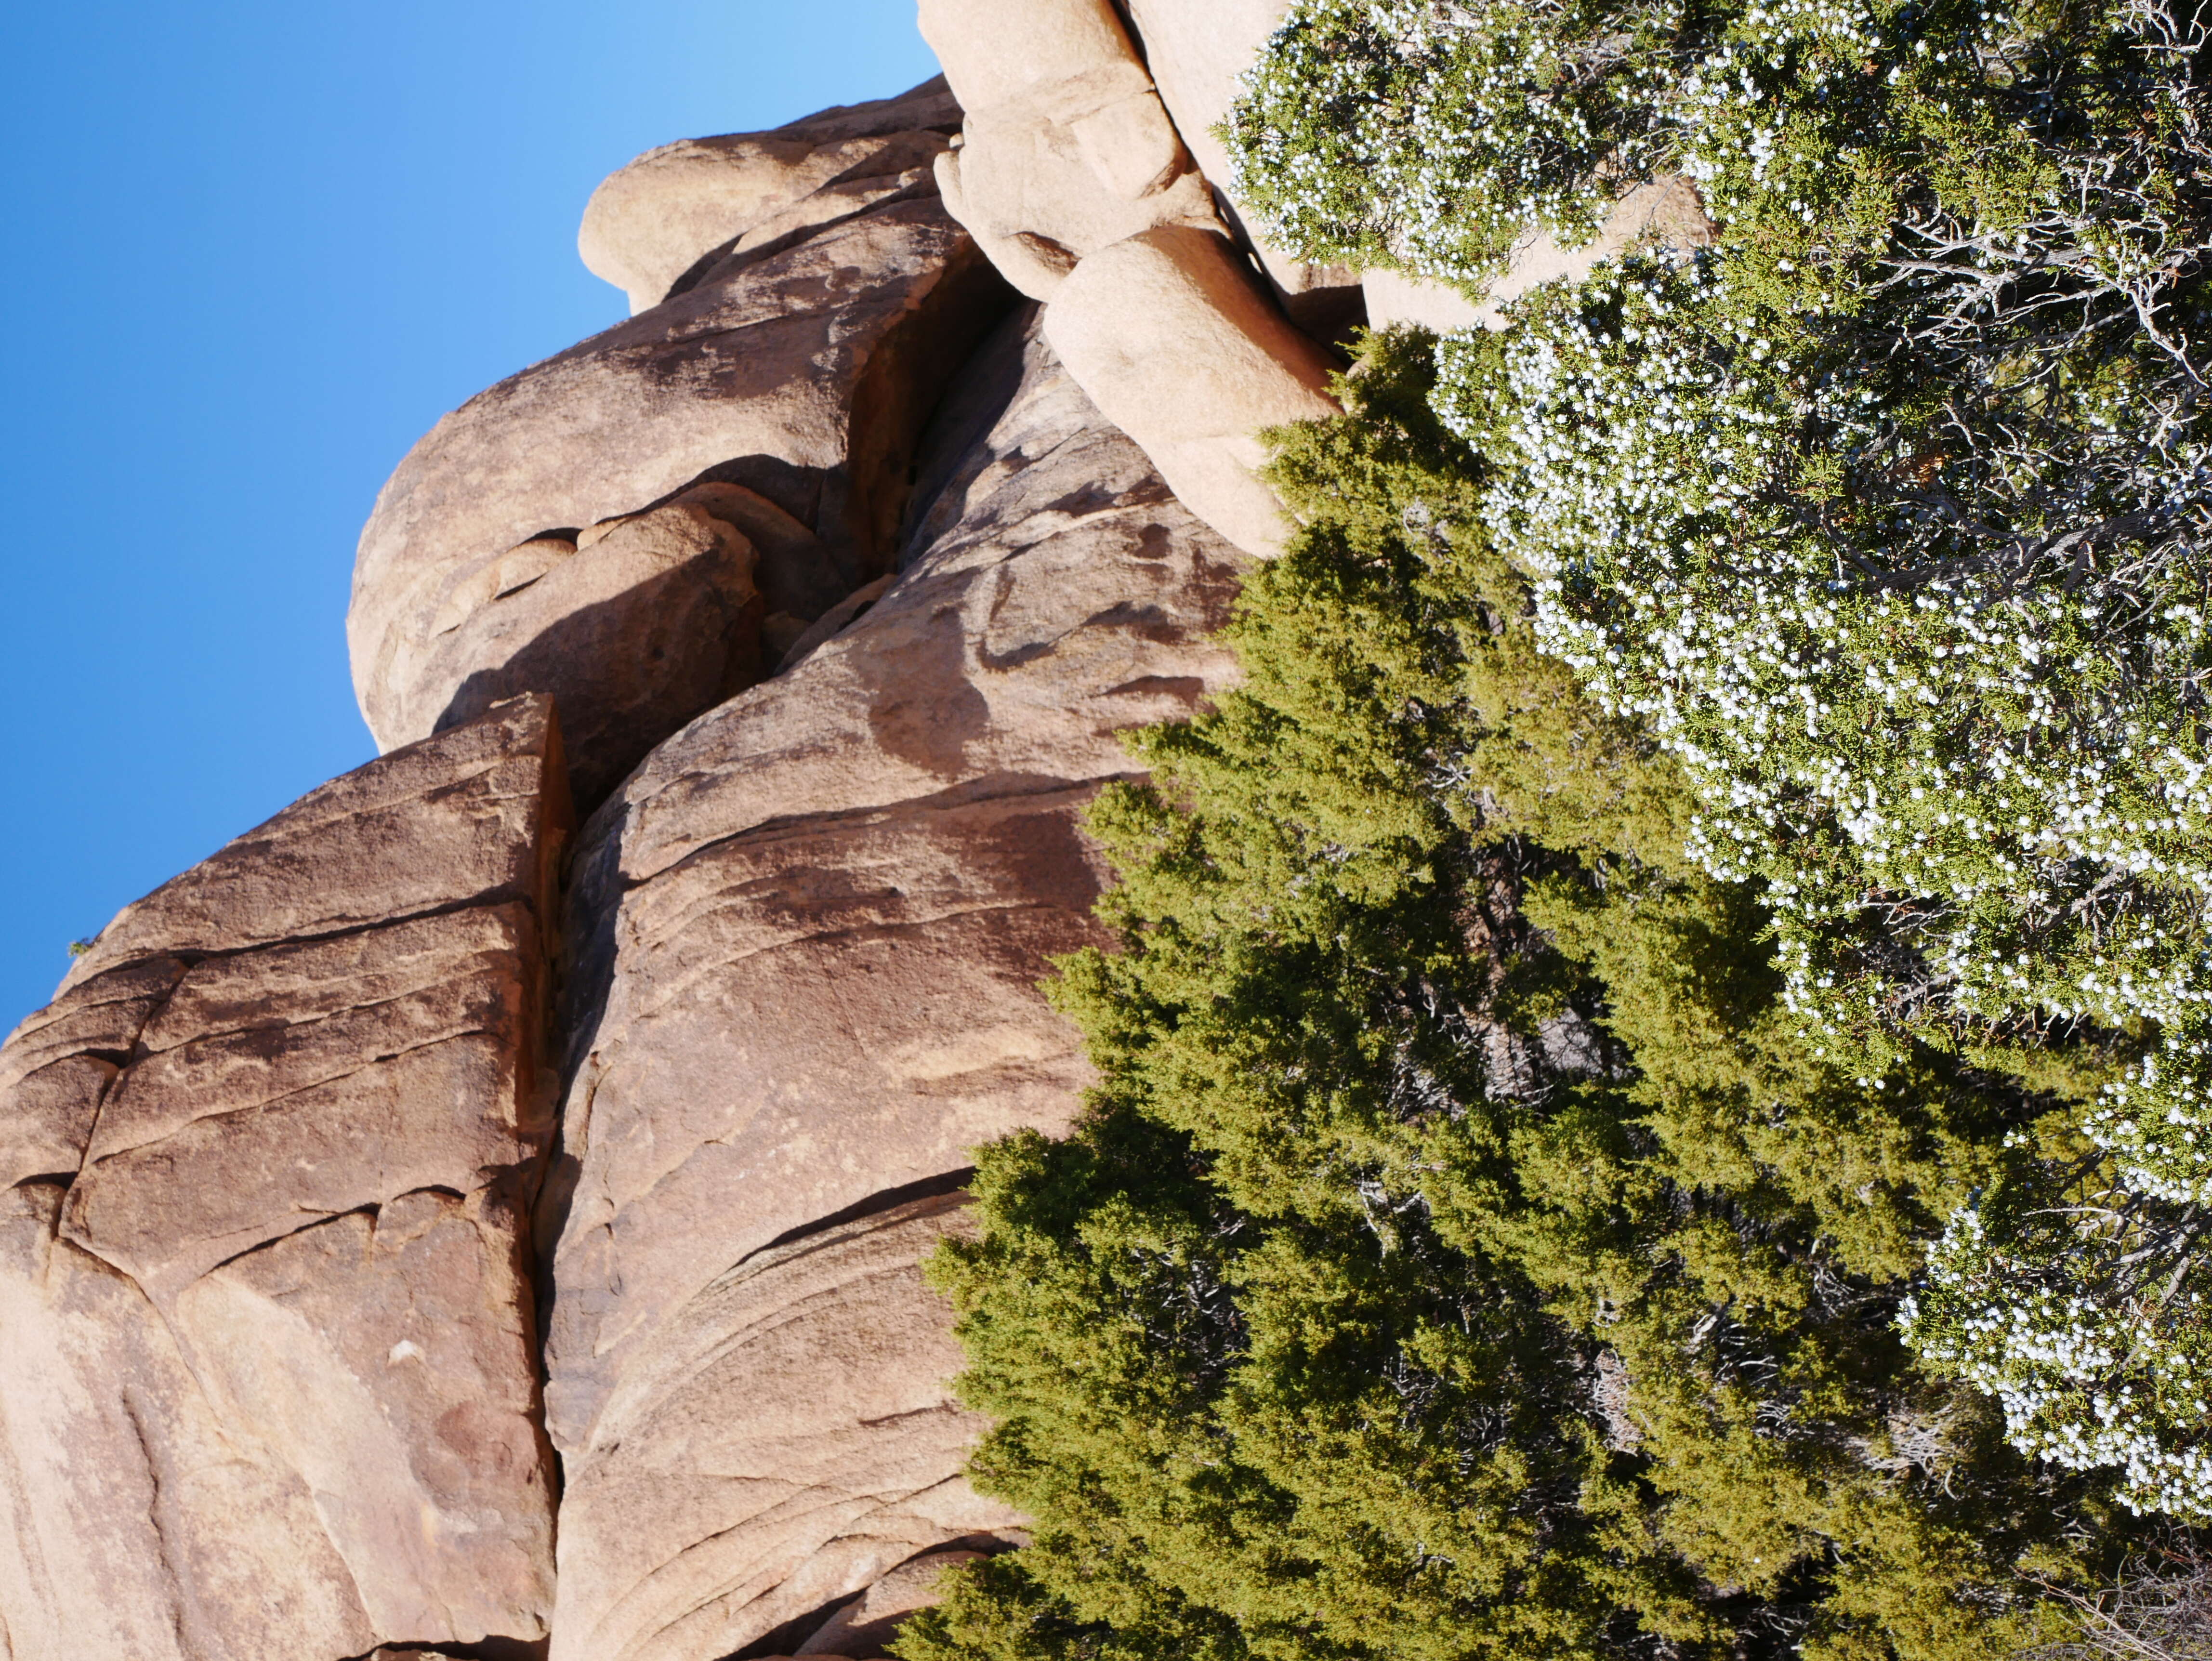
795 376
655 222
809 934
640 623
1076 182
1176 341
1066 148
270 1391
1198 52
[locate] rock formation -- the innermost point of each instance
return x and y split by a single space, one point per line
774 399
809 933
429 1228
1080 187
272 1384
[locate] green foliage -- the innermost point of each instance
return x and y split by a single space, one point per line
1888 514
1468 1253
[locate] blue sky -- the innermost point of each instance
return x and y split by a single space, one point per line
256 248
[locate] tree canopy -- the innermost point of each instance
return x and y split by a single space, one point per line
1653 1076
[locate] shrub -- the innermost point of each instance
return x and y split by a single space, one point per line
1887 516
1467 1252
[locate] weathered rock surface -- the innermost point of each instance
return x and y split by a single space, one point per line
1172 337
1197 51
1394 298
1659 213
871 1620
270 1388
640 628
1075 181
1068 148
809 934
842 617
801 371
791 1435
653 221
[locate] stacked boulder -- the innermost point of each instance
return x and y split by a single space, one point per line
1079 185
481 1212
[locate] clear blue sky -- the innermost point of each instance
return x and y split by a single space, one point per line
256 249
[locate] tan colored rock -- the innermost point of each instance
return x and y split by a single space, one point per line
1395 299
1198 50
871 1620
1171 335
638 630
1023 187
802 376
809 933
1077 183
791 1434
1066 148
270 1388
1661 213
992 56
221 1139
58 1067
356 852
834 621
655 219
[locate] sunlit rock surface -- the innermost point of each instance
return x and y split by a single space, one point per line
270 1382
809 935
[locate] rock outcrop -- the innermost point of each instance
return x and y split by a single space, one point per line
673 210
809 933
1198 52
415 1185
1185 353
1092 176
1076 182
1066 147
795 374
784 1449
1657 213
270 1388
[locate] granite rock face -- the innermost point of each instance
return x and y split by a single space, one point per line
799 369
809 934
270 1386
788 1445
640 623
1067 148
1186 354
1198 50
